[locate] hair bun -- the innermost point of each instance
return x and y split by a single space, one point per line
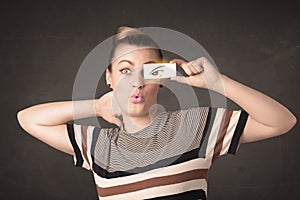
125 31
125 35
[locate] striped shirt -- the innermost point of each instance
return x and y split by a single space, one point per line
168 159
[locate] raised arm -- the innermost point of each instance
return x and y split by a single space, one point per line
267 117
47 122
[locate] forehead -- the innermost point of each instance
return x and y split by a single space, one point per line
135 53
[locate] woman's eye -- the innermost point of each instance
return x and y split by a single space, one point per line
125 71
157 73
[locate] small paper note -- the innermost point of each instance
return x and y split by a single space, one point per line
159 70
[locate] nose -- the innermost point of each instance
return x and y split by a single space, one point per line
138 80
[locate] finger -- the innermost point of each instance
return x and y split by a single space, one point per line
187 69
192 69
181 79
203 60
184 65
178 61
116 121
197 68
115 106
118 114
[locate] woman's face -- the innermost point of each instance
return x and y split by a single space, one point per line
133 94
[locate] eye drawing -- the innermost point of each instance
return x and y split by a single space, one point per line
158 71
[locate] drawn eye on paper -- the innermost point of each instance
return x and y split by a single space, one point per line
159 70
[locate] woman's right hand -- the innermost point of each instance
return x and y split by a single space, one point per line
107 108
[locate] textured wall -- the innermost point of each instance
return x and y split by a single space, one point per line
43 43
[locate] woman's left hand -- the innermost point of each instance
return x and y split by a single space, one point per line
201 73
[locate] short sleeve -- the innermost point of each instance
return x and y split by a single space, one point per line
232 124
223 130
81 138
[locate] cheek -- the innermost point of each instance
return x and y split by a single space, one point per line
152 89
120 81
121 89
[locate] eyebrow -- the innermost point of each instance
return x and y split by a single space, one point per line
150 62
157 68
131 63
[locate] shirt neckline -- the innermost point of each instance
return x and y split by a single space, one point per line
157 118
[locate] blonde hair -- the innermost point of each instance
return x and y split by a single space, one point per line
132 36
124 31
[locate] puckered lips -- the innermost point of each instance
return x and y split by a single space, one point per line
137 98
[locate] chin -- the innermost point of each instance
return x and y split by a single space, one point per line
137 110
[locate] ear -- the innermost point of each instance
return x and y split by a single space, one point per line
108 77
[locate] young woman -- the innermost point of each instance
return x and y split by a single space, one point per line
152 153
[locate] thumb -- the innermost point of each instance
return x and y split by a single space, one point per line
181 79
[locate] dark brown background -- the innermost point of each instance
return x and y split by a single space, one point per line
43 43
